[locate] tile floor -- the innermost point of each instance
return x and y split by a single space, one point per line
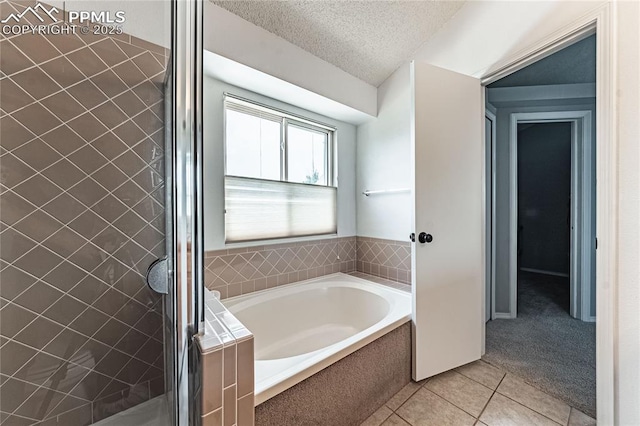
475 394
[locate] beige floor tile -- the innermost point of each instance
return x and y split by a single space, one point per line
461 391
578 418
479 423
398 399
501 411
377 418
483 373
532 398
395 420
425 408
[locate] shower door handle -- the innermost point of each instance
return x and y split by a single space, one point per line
158 276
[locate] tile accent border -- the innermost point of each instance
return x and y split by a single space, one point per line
244 270
389 259
224 361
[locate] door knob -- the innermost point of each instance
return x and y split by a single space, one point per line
423 237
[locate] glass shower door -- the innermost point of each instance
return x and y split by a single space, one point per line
83 127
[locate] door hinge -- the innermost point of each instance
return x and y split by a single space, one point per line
596 243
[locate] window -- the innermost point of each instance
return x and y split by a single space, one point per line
279 178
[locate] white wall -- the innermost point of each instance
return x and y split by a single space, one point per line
237 74
484 33
214 163
627 72
234 38
384 162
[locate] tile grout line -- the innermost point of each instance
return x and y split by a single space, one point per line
87 208
88 175
85 44
87 79
38 351
66 226
477 419
532 409
89 403
534 387
68 292
405 401
112 348
38 387
460 408
491 397
265 260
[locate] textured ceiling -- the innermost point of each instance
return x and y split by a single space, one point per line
571 65
367 39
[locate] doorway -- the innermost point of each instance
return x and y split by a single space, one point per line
542 227
558 148
544 219
606 190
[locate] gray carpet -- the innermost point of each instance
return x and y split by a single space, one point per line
544 345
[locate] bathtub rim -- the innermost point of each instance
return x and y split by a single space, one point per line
274 291
339 350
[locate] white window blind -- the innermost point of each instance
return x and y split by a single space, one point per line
259 209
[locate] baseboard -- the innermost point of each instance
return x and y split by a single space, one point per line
502 315
590 319
542 271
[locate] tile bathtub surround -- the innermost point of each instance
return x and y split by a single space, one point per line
224 358
475 394
387 259
81 218
244 270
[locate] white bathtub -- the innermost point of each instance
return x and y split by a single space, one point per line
303 327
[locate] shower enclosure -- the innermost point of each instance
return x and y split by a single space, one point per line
95 185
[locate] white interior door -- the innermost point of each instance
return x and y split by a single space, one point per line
447 272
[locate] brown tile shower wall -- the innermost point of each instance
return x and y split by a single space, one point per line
245 270
388 259
81 218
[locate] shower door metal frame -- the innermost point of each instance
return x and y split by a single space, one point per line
184 222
